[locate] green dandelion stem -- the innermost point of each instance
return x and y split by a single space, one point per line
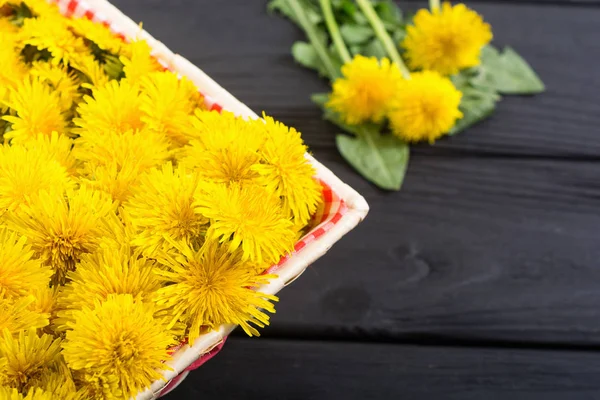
383 35
334 31
314 39
434 4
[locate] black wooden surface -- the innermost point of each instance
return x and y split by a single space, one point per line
480 279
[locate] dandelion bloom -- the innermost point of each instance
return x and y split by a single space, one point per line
13 69
225 148
50 33
210 287
56 146
62 228
168 102
90 68
365 91
162 208
99 34
286 171
425 107
109 271
35 106
16 316
27 356
249 217
60 79
20 272
446 40
25 172
8 393
118 338
114 108
138 62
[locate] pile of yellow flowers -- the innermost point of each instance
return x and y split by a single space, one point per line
132 217
397 81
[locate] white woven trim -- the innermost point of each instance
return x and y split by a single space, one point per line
296 264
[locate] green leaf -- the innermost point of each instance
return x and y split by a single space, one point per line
389 13
356 34
306 55
382 159
509 73
312 11
374 49
479 98
476 105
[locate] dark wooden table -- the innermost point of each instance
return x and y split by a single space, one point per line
480 279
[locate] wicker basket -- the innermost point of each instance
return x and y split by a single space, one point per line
343 208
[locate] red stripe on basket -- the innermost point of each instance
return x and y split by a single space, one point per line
216 107
89 14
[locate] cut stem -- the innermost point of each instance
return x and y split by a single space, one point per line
314 39
334 31
434 5
383 35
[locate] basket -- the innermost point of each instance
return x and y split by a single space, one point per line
342 210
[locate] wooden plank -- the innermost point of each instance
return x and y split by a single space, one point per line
248 52
267 369
471 249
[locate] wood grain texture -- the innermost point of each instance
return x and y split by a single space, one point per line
286 370
472 249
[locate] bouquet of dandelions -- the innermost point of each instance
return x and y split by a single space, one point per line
452 77
133 219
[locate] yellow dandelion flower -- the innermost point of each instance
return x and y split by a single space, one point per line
25 172
58 147
13 69
287 172
97 386
98 33
7 393
138 62
226 148
27 356
20 273
45 303
117 181
162 208
114 107
53 35
446 40
42 8
62 228
6 26
145 148
210 287
35 106
119 337
90 68
108 271
116 162
57 381
249 218
16 316
60 80
426 107
168 103
365 91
